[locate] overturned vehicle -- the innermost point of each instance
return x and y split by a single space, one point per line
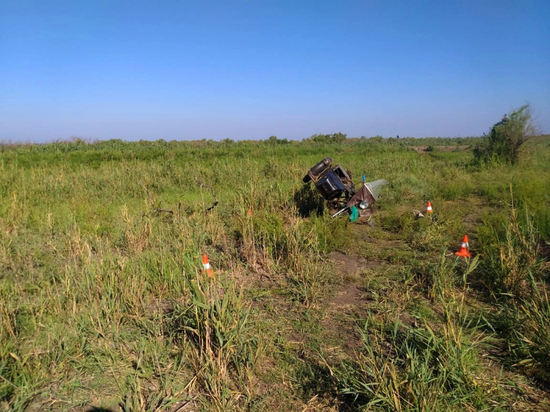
337 188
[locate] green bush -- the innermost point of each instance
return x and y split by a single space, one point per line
506 138
327 138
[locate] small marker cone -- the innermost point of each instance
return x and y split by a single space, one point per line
463 251
249 212
429 208
207 268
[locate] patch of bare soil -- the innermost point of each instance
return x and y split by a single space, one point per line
347 296
350 295
353 265
345 301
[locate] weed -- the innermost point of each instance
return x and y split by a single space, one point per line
417 368
215 321
512 254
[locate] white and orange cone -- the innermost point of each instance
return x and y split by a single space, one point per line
207 268
429 208
463 251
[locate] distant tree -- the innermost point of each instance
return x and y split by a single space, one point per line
328 138
338 137
274 140
506 138
318 138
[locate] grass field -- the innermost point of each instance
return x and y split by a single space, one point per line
103 306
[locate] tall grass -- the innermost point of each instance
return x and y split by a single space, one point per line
420 368
102 303
511 246
215 322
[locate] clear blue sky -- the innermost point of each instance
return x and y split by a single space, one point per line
165 69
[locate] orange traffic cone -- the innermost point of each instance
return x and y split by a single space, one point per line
249 212
207 268
464 248
429 208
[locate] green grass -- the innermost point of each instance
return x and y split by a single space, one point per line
103 303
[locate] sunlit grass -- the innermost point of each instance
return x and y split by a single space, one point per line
103 303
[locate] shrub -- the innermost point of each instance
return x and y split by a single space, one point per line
504 141
328 138
308 202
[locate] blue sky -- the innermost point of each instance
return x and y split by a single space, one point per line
182 70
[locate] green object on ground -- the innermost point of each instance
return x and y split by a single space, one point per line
354 214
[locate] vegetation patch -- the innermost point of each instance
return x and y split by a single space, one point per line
105 303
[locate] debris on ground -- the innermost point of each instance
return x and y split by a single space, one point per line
417 214
337 188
